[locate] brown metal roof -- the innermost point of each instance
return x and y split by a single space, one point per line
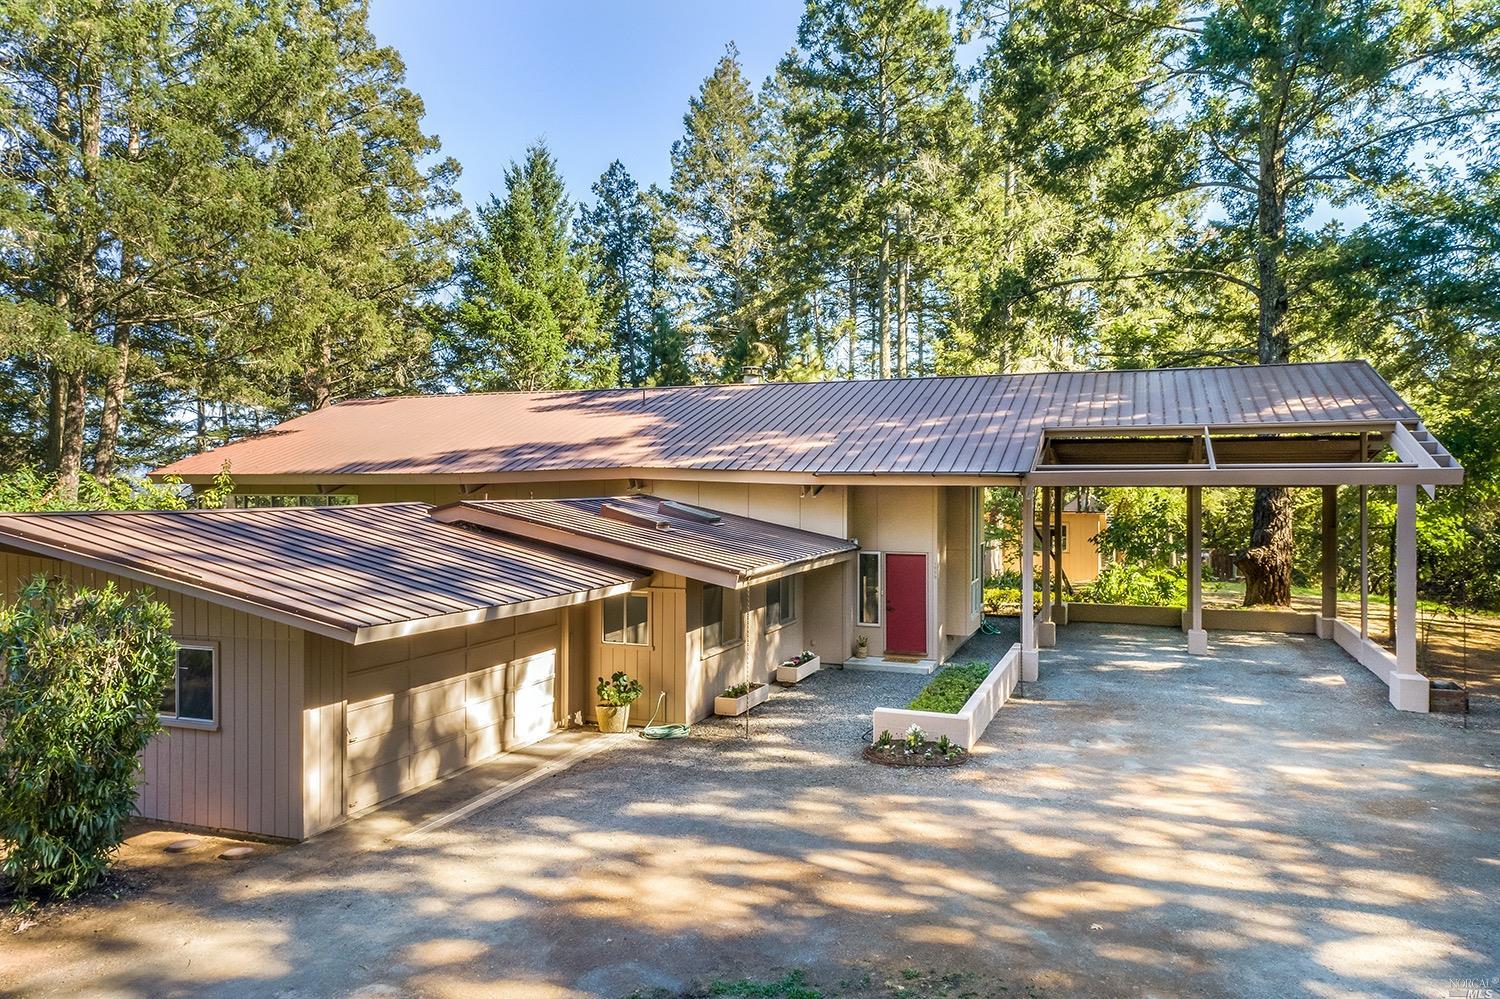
976 425
700 544
358 573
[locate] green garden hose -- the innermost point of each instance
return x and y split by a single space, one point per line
654 731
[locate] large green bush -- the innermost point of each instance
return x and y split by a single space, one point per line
83 674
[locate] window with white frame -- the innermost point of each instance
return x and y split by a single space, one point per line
721 617
781 602
869 587
627 619
190 696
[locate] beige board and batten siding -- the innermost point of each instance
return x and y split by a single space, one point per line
245 772
421 708
660 664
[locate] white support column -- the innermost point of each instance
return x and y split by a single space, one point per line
1329 611
1364 562
1197 638
1028 611
1046 630
1408 687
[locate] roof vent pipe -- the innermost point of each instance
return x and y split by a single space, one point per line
752 374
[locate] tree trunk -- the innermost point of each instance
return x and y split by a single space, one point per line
117 380
882 322
70 461
56 403
1268 563
901 346
853 317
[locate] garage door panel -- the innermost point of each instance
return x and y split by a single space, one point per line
447 705
439 728
437 699
488 682
485 742
537 669
439 668
484 713
378 682
438 761
368 719
367 787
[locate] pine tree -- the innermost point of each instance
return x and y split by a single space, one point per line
720 190
888 116
524 318
616 230
1294 106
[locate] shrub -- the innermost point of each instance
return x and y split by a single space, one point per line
1123 583
83 675
619 690
741 689
948 691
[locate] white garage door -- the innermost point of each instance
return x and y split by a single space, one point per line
421 708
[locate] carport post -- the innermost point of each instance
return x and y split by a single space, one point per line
1028 554
1364 562
1059 612
1197 638
1046 631
1330 610
1408 687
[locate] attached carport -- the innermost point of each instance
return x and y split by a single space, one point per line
1297 450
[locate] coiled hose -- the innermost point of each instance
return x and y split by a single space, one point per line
655 731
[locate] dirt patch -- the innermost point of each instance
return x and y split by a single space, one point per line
17 915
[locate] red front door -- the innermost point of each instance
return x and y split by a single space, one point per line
906 604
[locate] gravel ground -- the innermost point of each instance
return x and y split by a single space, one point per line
1139 823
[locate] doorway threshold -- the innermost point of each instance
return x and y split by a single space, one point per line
894 664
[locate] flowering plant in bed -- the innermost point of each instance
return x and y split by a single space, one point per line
799 667
914 749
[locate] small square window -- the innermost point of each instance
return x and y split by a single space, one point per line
781 602
189 695
626 619
721 617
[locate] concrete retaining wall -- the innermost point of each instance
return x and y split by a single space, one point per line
1278 621
1163 617
973 718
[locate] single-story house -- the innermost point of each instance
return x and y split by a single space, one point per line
410 585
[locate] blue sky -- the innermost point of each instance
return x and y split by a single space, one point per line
598 81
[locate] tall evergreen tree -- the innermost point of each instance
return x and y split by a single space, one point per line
524 318
616 229
1298 106
889 117
720 190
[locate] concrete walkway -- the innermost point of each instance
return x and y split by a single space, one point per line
1260 823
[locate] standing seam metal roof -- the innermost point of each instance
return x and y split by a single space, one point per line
345 568
969 425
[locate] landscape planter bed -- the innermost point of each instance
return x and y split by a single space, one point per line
729 707
896 757
794 672
966 726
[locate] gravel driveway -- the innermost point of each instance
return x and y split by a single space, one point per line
1258 823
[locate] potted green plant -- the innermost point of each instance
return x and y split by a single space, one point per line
616 694
861 646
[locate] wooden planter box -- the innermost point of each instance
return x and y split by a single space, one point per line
729 707
1448 699
792 674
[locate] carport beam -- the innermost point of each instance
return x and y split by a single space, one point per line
1197 638
1028 555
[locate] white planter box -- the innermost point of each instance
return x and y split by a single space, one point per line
791 674
729 707
972 719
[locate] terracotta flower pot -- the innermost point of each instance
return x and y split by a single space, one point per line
612 717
